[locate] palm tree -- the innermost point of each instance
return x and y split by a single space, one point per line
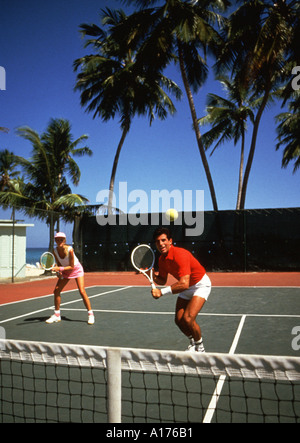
289 133
8 164
228 117
59 140
44 191
177 30
112 84
259 35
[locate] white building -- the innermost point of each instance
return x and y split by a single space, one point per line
13 249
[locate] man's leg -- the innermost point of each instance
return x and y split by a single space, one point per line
186 314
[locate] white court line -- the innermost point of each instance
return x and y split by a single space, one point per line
96 295
217 393
48 295
62 304
257 287
240 287
147 286
115 311
206 314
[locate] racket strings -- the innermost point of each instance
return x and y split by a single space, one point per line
143 258
47 261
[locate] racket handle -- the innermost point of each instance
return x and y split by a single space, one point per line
153 286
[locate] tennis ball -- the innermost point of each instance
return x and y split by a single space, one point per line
171 215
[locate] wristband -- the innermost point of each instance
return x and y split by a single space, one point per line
167 290
61 269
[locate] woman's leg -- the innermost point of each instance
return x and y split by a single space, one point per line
81 288
61 283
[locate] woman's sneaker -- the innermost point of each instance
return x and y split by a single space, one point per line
91 319
53 319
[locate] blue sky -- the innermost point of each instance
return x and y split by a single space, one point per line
39 42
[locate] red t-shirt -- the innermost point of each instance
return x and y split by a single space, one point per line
180 262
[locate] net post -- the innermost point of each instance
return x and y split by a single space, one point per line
114 387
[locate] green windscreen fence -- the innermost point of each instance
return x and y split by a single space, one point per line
250 240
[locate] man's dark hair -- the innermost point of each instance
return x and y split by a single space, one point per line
161 231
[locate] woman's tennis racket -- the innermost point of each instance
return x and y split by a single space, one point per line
143 259
47 261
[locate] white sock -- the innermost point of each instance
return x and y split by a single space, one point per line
57 313
191 340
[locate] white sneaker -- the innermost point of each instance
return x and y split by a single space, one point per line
91 319
199 347
196 347
191 348
53 319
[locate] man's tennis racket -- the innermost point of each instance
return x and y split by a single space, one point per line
143 259
47 261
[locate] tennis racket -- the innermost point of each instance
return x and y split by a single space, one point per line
143 259
47 261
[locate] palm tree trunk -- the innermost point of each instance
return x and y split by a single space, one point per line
196 128
238 204
114 169
51 237
253 146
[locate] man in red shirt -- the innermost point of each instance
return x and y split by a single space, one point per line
193 286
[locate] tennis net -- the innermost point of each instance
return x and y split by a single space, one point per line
45 382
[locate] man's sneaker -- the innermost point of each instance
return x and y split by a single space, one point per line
196 347
199 347
191 348
53 319
91 319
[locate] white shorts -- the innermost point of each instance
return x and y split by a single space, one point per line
201 289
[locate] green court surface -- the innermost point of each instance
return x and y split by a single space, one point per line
234 320
130 317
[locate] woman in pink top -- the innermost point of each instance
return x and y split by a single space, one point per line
68 267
